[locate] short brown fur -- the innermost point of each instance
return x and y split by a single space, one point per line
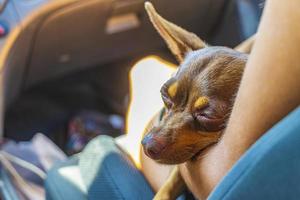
210 72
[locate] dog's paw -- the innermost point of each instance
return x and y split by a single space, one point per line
162 196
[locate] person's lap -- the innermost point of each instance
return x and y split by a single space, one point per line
268 170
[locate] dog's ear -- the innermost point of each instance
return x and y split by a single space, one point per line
178 40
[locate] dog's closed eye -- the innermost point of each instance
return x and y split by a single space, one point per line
207 118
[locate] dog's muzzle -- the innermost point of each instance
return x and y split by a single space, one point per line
154 145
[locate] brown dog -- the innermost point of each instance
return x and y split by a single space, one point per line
198 99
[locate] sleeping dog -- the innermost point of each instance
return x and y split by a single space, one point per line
198 99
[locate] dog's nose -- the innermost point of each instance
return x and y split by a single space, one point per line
154 145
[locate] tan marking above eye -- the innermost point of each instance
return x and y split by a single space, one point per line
172 90
201 102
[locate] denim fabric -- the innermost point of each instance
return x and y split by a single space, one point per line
109 173
60 187
270 169
105 171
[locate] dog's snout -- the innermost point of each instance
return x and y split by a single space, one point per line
154 145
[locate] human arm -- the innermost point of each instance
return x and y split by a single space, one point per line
269 90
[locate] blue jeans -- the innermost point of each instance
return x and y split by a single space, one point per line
270 169
103 171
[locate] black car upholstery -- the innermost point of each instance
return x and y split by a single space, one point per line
66 60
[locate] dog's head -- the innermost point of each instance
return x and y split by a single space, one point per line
198 98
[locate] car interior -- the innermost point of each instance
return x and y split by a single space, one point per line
62 57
